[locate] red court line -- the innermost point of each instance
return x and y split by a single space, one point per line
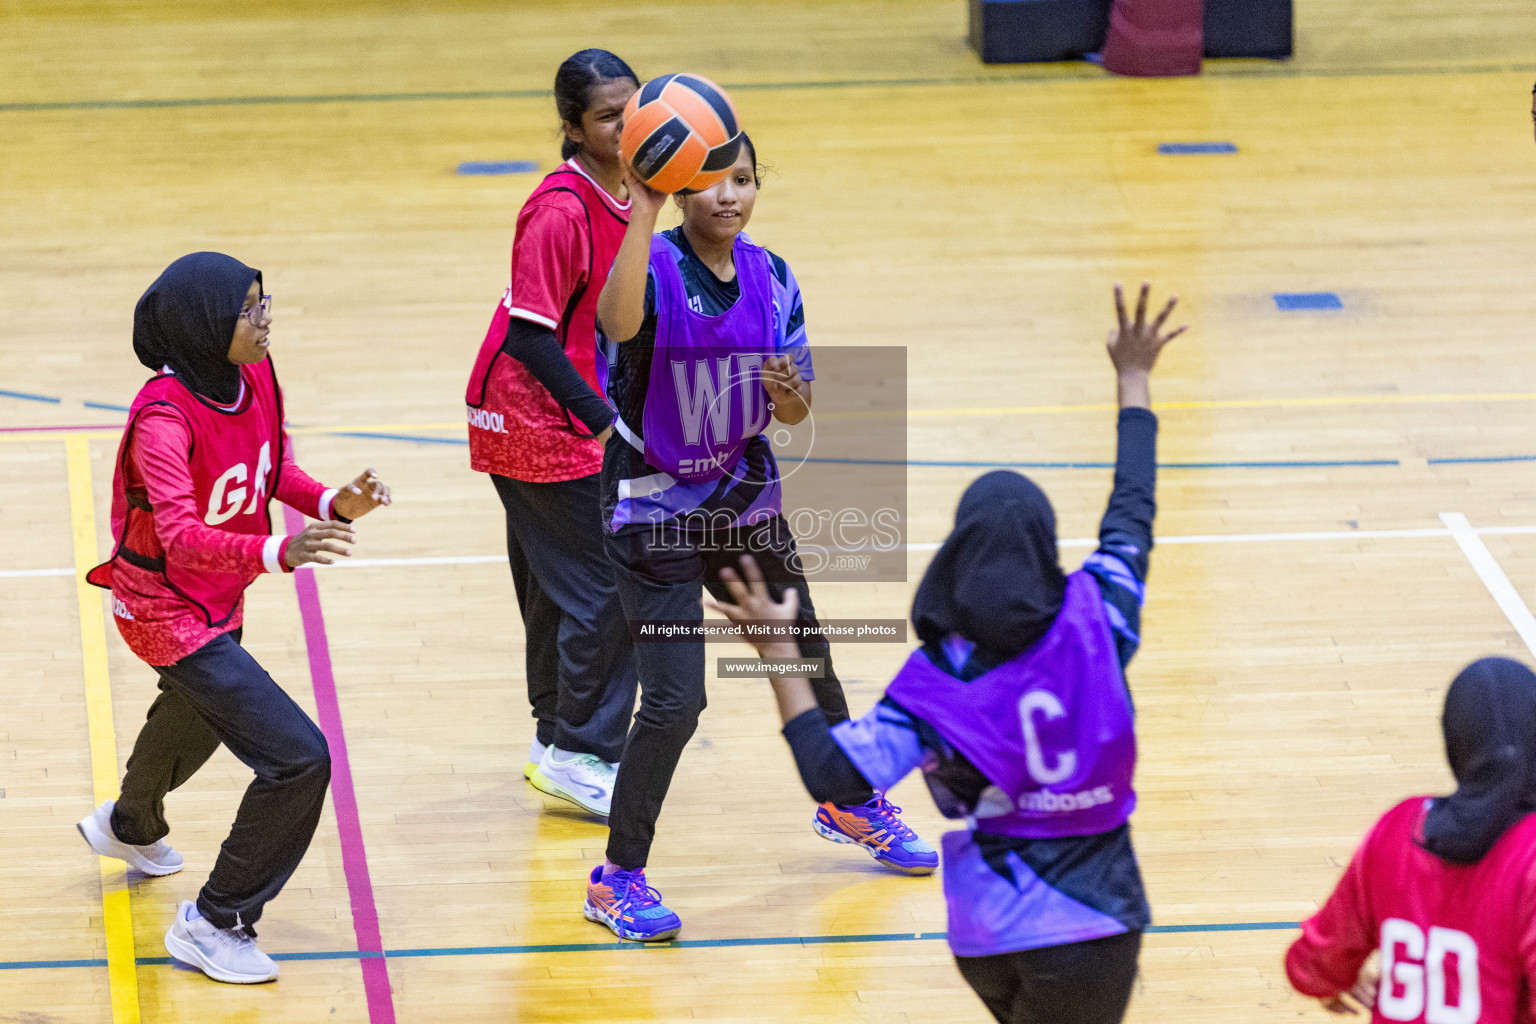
354 859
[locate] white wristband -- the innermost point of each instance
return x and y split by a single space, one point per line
325 504
270 551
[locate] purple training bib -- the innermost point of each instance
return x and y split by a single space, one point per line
1052 729
705 398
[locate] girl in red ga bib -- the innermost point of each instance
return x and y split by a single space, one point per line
203 453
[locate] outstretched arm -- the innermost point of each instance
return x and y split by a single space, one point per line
840 767
1134 346
753 605
1125 534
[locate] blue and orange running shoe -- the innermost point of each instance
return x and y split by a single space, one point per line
627 905
876 827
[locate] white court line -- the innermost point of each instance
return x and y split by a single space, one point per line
368 563
1488 570
1068 542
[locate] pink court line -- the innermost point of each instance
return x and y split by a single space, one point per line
354 859
85 426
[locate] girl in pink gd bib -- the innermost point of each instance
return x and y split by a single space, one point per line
203 454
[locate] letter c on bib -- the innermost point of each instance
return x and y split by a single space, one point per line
1044 702
225 501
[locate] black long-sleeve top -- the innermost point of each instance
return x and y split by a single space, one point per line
537 348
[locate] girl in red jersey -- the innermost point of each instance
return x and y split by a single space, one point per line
203 453
536 421
1444 887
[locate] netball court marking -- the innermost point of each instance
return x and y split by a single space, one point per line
603 947
1488 570
122 973
354 858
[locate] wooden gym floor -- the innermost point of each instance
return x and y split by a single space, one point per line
1306 610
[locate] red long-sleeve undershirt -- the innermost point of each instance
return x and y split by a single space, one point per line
158 624
158 461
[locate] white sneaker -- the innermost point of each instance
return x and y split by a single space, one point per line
586 780
535 755
155 859
224 954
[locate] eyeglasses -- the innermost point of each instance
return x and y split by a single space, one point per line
259 313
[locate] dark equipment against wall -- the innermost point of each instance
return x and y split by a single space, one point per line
1033 31
1248 28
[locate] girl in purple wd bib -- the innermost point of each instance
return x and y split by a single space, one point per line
1018 712
702 330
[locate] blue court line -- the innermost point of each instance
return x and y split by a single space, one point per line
1288 301
498 167
398 437
24 396
1481 458
1214 69
1260 464
602 947
105 405
1255 464
37 965
1193 148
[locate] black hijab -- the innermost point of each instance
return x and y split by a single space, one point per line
1490 741
995 580
187 318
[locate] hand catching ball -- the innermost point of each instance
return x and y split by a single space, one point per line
680 132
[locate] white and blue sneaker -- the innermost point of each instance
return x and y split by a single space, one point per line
224 954
535 755
155 859
586 780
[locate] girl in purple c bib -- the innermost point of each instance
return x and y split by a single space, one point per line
1019 715
702 330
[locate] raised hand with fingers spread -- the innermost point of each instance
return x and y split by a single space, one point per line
1134 346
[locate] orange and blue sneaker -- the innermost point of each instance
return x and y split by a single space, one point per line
623 902
876 827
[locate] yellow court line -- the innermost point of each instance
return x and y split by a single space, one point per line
1241 403
122 973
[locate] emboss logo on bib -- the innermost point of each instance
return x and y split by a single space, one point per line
229 490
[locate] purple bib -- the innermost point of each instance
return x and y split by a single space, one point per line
705 398
1051 729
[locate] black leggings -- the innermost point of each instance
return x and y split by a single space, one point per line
218 694
1077 983
580 663
662 575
